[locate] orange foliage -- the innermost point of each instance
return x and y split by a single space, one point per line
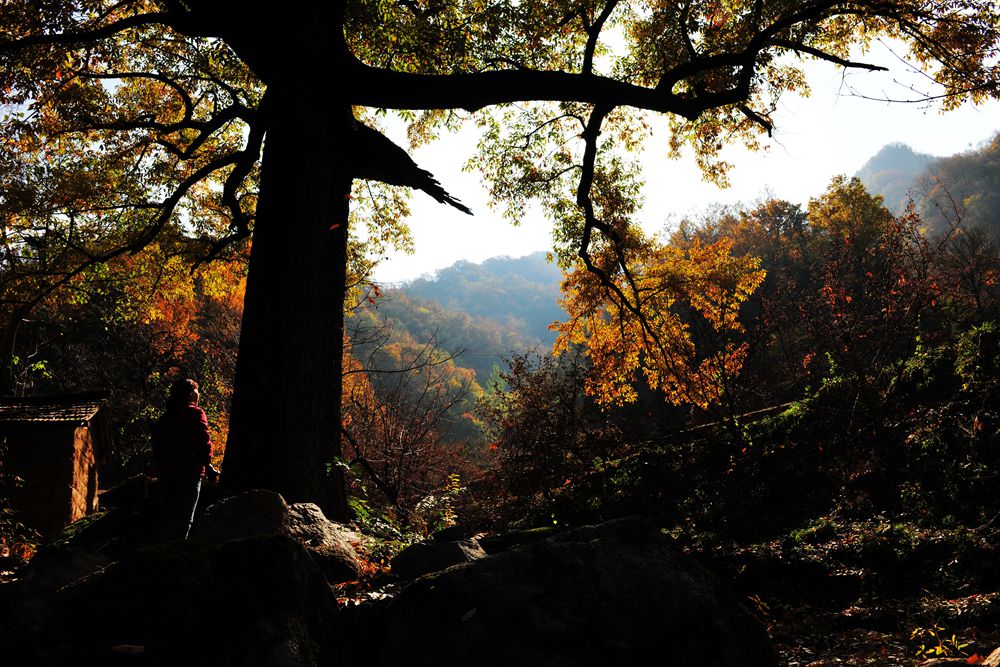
156 312
357 387
673 289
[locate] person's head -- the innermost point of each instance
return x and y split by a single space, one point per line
182 392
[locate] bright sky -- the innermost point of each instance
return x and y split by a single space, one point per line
816 138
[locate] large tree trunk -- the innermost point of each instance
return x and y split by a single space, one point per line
285 421
7 348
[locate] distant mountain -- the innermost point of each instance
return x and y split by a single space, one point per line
483 342
520 293
892 173
488 311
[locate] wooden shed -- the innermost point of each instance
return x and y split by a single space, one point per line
54 444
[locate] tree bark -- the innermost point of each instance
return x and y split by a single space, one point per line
285 417
8 341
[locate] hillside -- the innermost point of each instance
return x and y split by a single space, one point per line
519 292
969 182
481 342
944 189
486 311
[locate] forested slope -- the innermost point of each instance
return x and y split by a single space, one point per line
520 292
963 187
484 312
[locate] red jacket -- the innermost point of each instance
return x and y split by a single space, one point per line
182 445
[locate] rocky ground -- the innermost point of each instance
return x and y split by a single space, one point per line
870 593
264 582
280 583
862 593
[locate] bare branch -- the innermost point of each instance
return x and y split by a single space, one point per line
240 223
757 118
538 128
391 494
800 48
591 221
170 203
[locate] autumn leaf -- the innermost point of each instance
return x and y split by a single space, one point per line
650 336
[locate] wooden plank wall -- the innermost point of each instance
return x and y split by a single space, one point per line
44 457
84 482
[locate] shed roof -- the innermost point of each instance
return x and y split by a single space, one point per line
60 408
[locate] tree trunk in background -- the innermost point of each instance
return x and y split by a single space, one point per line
285 419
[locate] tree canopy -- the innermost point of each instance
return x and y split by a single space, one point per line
125 120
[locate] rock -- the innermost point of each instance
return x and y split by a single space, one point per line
79 550
328 542
615 594
336 564
515 538
127 493
308 524
86 546
261 512
258 601
257 512
52 569
453 533
424 557
113 533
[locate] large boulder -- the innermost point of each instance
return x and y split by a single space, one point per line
257 512
52 569
615 594
93 543
79 550
493 544
262 512
432 556
330 543
258 601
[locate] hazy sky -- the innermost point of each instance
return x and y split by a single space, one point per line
832 132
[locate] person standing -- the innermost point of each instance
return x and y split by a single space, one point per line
182 451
